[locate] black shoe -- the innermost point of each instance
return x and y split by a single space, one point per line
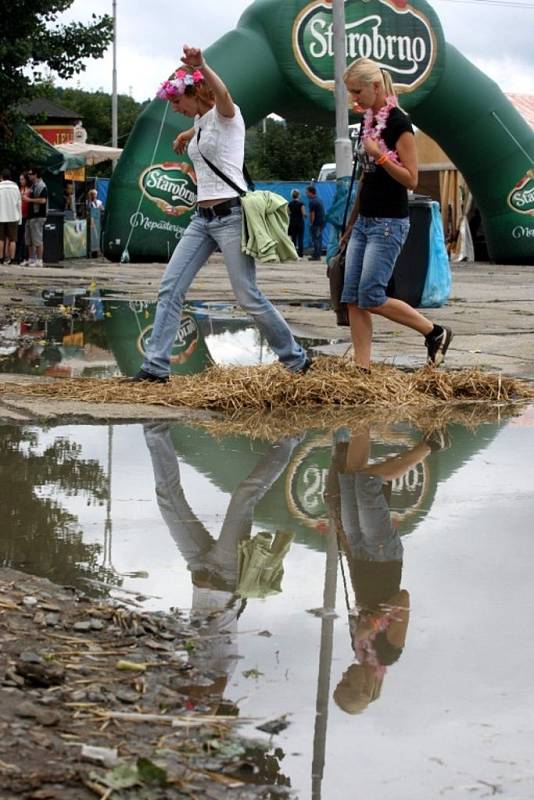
437 345
305 367
143 375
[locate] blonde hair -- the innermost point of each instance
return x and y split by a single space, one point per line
366 70
201 91
364 688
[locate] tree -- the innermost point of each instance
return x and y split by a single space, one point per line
33 42
289 151
95 110
38 534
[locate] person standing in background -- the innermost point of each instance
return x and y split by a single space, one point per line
36 217
10 216
93 201
297 214
69 200
317 222
21 250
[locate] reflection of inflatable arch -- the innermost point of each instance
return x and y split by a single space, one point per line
128 327
185 344
315 486
305 482
419 487
280 59
227 460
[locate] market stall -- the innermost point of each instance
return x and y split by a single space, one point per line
81 231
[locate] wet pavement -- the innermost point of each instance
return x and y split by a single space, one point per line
94 335
491 307
368 584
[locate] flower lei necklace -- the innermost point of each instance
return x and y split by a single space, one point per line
374 132
364 649
176 86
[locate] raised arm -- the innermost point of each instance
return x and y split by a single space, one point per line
223 100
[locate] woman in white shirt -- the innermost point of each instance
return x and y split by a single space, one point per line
218 135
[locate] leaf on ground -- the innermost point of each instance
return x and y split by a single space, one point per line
124 776
150 772
252 673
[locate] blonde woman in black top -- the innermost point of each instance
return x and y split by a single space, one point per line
379 223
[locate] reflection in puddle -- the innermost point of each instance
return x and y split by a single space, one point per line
93 336
366 585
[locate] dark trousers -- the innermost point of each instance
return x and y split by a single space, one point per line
21 251
317 240
297 237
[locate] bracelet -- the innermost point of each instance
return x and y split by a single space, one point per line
382 160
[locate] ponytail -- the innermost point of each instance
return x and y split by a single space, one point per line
388 83
367 71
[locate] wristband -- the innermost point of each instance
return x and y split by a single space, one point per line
382 160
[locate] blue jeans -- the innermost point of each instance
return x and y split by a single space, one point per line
316 232
372 251
193 250
193 540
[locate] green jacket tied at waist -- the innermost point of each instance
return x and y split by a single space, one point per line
264 233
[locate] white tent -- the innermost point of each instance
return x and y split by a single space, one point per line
90 153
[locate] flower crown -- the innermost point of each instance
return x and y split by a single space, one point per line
176 86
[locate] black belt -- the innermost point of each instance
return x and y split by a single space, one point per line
220 209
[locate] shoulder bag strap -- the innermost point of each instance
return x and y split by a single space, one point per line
217 171
352 178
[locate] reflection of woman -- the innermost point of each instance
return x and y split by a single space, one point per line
213 563
378 224
217 136
358 500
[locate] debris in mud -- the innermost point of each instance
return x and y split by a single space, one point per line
322 612
274 726
98 705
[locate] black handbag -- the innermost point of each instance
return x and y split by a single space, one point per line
335 272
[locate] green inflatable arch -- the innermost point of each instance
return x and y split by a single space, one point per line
280 59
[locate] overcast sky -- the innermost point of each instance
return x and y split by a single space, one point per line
497 38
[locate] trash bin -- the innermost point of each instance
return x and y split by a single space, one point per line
53 237
408 279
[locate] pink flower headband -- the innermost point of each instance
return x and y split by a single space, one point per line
176 86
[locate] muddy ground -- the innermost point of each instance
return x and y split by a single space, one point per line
491 308
101 700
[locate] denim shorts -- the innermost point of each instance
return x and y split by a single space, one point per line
372 251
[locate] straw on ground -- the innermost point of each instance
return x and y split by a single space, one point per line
330 382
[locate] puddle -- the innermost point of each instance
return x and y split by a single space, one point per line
435 704
93 336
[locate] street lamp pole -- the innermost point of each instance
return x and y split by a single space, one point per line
343 143
114 111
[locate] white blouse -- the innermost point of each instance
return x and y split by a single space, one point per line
222 141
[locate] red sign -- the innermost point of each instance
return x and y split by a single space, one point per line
56 134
